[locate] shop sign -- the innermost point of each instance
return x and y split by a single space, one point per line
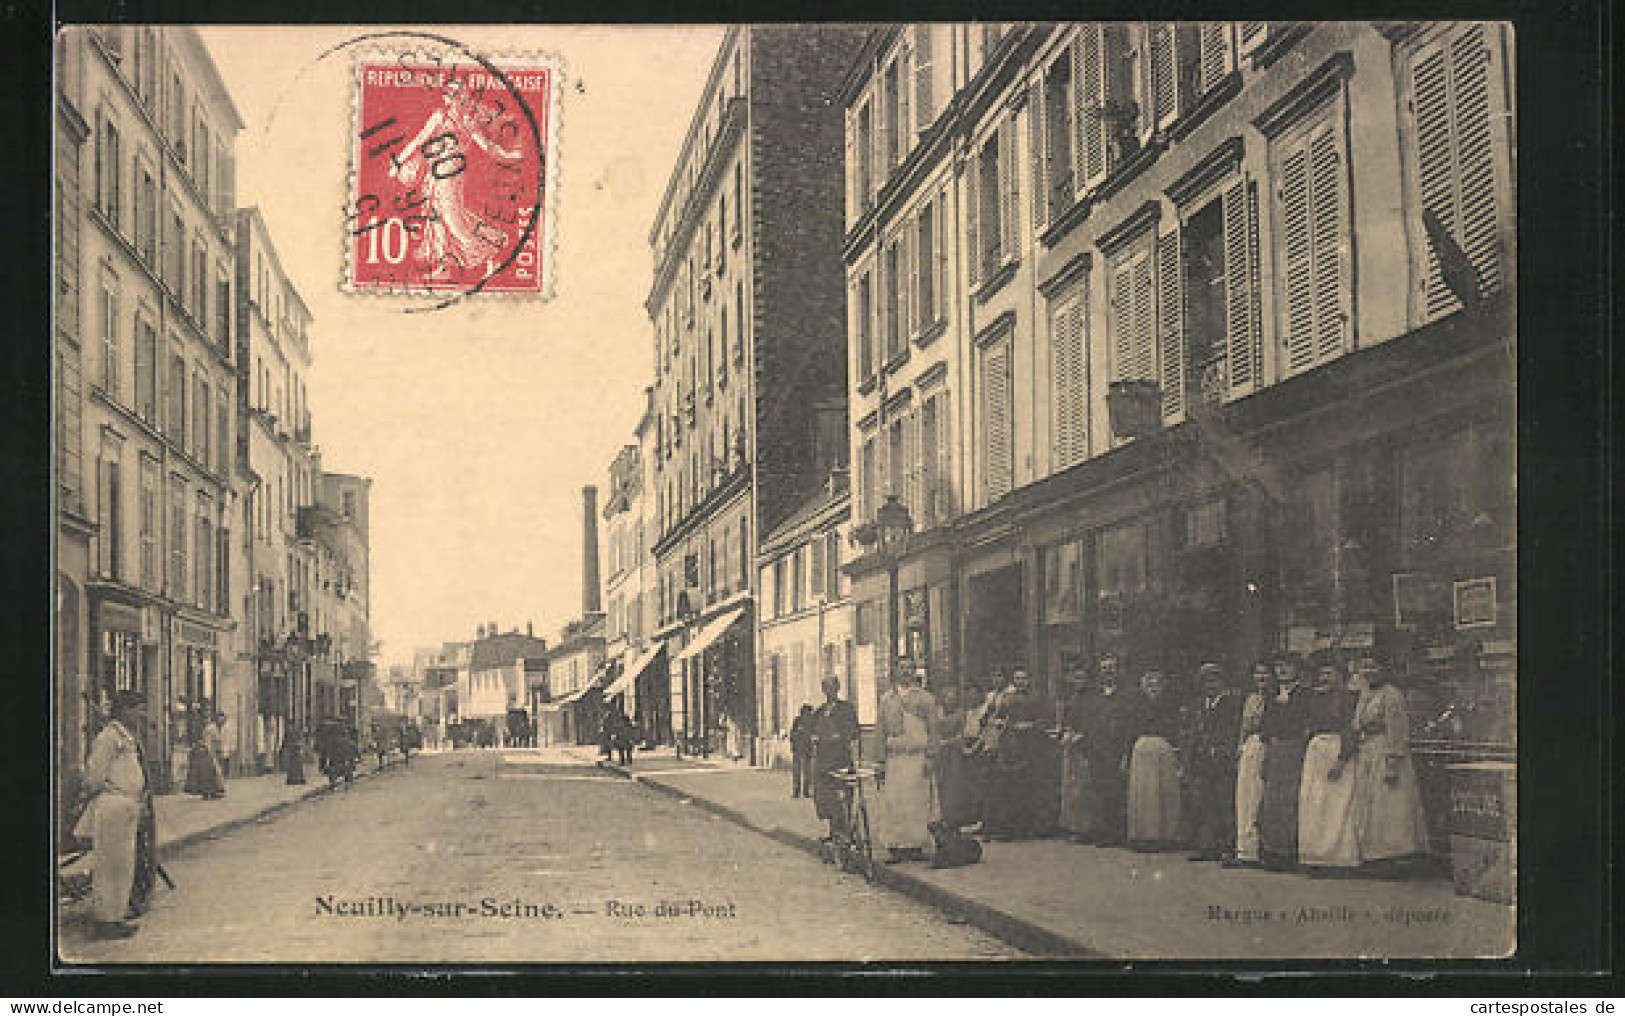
194 634
1475 603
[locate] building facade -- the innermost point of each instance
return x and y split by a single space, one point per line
747 328
295 684
1228 346
344 571
155 371
806 630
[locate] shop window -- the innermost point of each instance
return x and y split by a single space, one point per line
1309 547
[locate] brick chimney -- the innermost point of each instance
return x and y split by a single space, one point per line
589 550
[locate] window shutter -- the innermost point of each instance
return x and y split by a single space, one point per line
1009 192
1216 58
913 481
1089 93
1143 356
1035 150
1122 321
1069 377
1475 154
1240 244
1253 34
854 199
996 389
1164 73
908 289
945 460
973 197
905 126
1297 247
1330 242
1171 324
922 77
940 311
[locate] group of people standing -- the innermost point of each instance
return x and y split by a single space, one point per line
1309 769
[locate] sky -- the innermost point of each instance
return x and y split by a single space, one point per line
479 423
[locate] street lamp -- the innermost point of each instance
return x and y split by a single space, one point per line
893 526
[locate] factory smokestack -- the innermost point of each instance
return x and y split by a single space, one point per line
589 550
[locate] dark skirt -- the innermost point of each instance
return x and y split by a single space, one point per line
203 772
957 786
1278 809
1210 803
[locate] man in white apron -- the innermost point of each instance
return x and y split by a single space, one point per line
116 782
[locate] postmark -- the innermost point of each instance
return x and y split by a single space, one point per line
452 181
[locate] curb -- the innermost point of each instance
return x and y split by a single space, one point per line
168 849
1024 935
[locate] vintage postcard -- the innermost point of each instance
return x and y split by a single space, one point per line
536 494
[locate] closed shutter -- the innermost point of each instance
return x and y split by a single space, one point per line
1009 190
1070 395
1089 91
1297 250
907 256
923 99
1122 304
973 216
930 442
1171 325
940 310
912 481
905 126
1455 157
1035 150
996 411
1253 34
1164 73
854 200
1143 355
1215 57
1331 242
1240 246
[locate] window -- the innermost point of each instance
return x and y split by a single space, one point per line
864 311
149 524
200 281
177 400
798 579
1459 154
1313 251
175 266
146 369
864 156
109 171
200 418
924 108
816 570
1134 354
778 588
893 309
832 566
896 461
1051 124
895 111
112 515
177 540
1069 373
222 420
928 309
1208 333
739 199
998 444
146 216
871 480
70 435
109 328
203 583
222 306
930 469
993 204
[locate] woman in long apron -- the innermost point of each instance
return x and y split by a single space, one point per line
1388 816
1153 773
1326 839
955 792
1250 766
906 805
202 769
1284 730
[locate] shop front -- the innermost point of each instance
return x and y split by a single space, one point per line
715 710
193 693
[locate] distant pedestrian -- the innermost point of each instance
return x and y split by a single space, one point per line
801 752
835 749
202 765
621 734
293 755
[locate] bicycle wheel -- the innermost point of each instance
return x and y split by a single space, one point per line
863 846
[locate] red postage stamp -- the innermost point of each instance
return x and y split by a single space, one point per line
452 182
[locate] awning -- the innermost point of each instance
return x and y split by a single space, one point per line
560 703
710 633
632 671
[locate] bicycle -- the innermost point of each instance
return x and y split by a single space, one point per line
854 850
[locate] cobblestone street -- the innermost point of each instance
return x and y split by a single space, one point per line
549 860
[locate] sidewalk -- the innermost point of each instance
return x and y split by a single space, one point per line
1056 898
184 819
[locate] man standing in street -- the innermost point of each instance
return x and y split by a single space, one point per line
116 784
834 744
1212 739
801 753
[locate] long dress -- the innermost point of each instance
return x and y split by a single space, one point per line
907 801
1013 806
1077 812
1285 732
1107 738
115 775
956 794
1153 776
202 765
1326 837
1214 721
1249 779
1388 817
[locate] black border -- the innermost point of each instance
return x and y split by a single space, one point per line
1567 564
